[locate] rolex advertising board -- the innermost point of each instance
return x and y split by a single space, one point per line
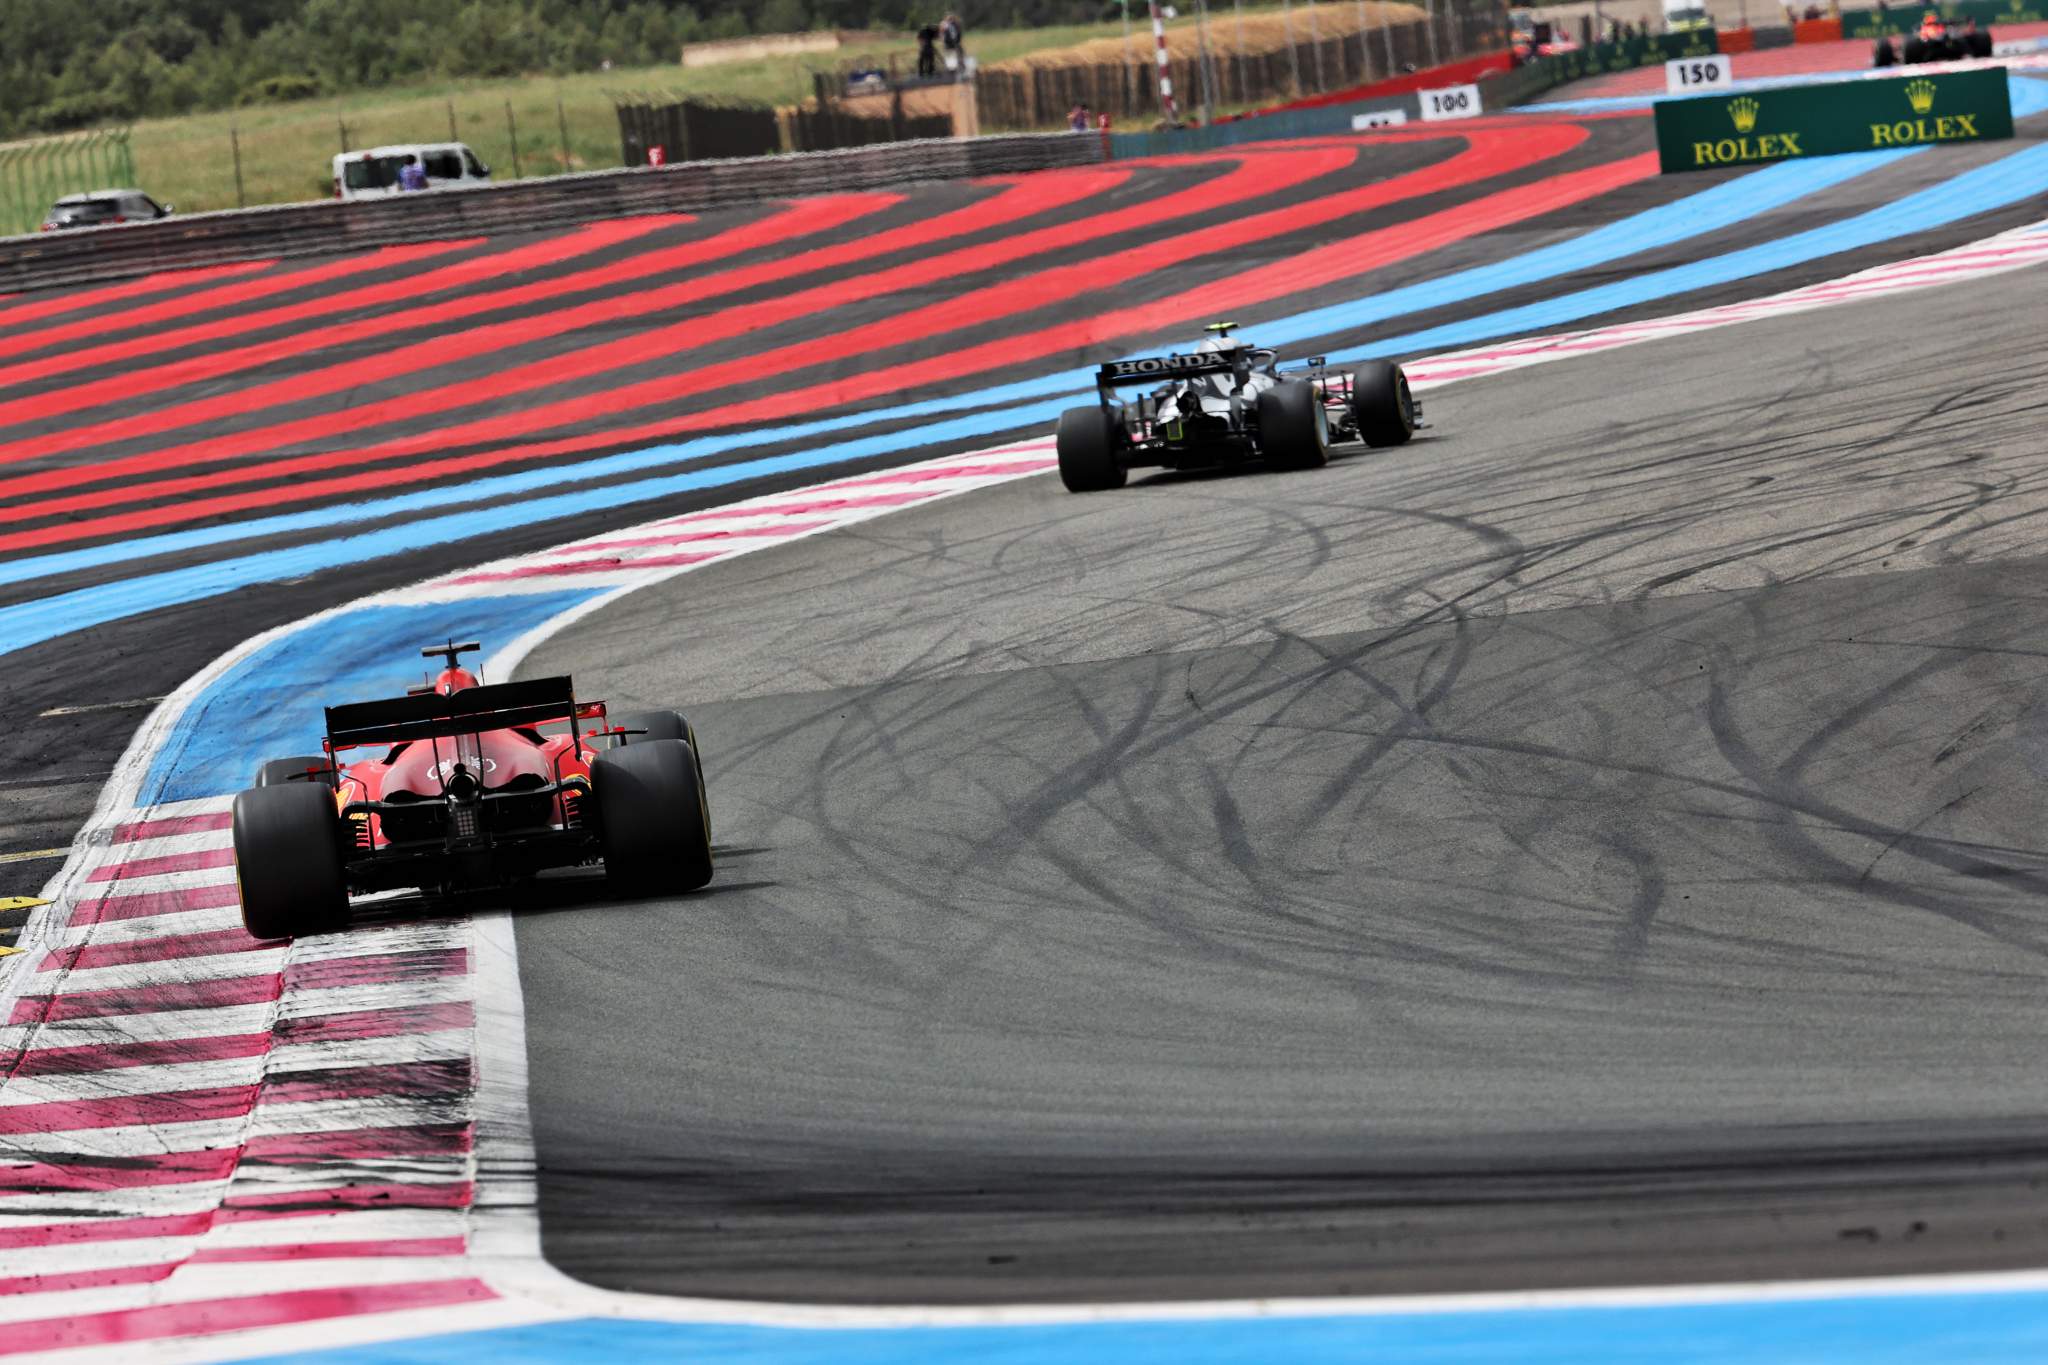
1872 24
1824 120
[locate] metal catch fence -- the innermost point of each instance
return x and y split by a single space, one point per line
34 174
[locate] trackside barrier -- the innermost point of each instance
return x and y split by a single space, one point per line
1329 118
43 260
1626 55
1825 120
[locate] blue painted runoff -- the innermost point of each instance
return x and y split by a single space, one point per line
2021 175
270 704
1869 1330
1990 186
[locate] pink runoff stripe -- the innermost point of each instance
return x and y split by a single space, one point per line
356 1144
122 1173
149 904
355 1025
129 1111
90 1057
331 1251
382 969
398 1080
102 1230
173 824
174 995
814 506
786 528
194 861
560 567
945 472
107 1277
248 1208
169 947
206 1317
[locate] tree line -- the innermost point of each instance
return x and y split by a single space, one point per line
67 65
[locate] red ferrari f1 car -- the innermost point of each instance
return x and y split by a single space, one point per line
467 791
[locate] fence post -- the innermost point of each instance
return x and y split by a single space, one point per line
562 122
1165 70
1315 44
1387 32
343 126
453 136
235 141
1364 60
1293 49
512 131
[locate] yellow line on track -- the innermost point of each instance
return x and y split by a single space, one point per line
31 857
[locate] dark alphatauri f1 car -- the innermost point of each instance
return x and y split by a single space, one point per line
1227 403
465 790
1935 41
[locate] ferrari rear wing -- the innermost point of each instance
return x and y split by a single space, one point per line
498 706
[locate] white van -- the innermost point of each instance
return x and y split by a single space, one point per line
373 172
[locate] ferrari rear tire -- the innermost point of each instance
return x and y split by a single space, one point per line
670 725
1381 403
288 869
656 832
280 771
1294 427
1088 441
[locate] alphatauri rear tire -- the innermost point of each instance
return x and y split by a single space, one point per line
1294 428
1088 442
1381 403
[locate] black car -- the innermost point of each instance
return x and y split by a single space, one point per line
103 208
1228 403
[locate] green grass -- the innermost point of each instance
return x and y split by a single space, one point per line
287 149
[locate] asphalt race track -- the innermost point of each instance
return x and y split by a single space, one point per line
1594 845
1598 842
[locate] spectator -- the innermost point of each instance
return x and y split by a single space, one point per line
950 35
928 51
1077 118
412 175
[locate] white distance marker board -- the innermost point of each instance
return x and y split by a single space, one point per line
1453 101
1699 75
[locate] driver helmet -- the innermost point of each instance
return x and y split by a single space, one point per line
1219 342
453 680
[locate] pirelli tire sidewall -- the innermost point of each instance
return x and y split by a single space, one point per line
1294 427
1381 404
288 868
1090 444
656 834
670 725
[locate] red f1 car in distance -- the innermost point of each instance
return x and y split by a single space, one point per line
467 792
